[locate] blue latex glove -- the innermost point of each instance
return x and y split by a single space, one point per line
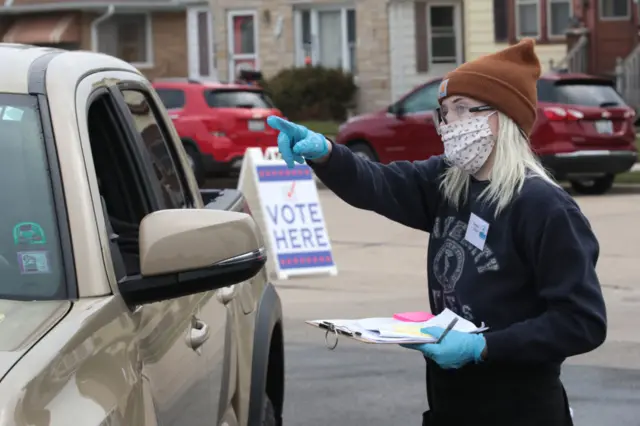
455 350
296 142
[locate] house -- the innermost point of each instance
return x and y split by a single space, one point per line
494 24
430 38
391 46
162 38
605 42
608 30
273 34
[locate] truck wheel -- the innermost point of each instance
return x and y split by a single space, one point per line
362 150
596 186
268 413
193 156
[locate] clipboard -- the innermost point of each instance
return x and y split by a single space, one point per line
333 332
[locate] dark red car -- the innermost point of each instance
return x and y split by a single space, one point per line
217 122
584 133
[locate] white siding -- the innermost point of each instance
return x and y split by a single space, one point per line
403 49
478 31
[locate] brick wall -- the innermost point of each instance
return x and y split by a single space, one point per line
372 32
170 55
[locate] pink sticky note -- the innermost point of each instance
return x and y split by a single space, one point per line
413 316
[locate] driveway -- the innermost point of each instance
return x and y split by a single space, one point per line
382 270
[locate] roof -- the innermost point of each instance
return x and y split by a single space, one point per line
31 6
65 68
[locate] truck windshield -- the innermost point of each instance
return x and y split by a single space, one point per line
31 267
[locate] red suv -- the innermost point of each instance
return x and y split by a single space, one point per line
584 132
217 122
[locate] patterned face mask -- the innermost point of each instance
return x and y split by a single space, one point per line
468 143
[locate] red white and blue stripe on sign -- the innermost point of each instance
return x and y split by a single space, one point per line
305 260
283 173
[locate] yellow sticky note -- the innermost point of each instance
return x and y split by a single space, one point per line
410 330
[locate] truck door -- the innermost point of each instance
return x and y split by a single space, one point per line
162 363
190 368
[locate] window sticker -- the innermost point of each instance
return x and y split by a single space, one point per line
34 262
28 233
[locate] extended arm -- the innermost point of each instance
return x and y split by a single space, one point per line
403 191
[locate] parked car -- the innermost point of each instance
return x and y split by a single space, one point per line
127 295
584 132
217 122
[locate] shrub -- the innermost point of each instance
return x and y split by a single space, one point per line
312 93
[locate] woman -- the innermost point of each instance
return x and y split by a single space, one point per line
507 246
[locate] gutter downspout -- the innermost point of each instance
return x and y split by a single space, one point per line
94 26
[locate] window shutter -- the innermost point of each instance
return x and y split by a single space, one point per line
500 20
422 57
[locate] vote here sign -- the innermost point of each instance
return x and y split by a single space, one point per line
294 222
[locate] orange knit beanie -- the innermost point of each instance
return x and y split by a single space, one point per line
505 80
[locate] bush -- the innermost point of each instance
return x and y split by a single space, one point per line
312 93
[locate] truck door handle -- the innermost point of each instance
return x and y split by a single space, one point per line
226 294
198 334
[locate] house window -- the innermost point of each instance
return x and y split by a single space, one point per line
500 20
443 45
326 37
614 9
544 20
558 17
126 36
527 18
243 42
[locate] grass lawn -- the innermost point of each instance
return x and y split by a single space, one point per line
629 177
328 128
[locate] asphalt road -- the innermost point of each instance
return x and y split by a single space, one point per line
382 270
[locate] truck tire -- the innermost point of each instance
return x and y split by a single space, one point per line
193 156
597 186
268 413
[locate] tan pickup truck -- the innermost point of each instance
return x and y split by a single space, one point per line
127 295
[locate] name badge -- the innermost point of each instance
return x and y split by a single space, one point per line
477 231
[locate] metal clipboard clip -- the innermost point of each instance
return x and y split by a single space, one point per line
335 331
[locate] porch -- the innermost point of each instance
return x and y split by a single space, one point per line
604 41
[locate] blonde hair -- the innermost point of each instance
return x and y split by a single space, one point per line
513 162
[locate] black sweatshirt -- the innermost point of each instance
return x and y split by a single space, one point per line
534 282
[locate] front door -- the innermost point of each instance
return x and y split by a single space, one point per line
444 33
243 42
201 44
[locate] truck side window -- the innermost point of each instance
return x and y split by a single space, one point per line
123 196
155 142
